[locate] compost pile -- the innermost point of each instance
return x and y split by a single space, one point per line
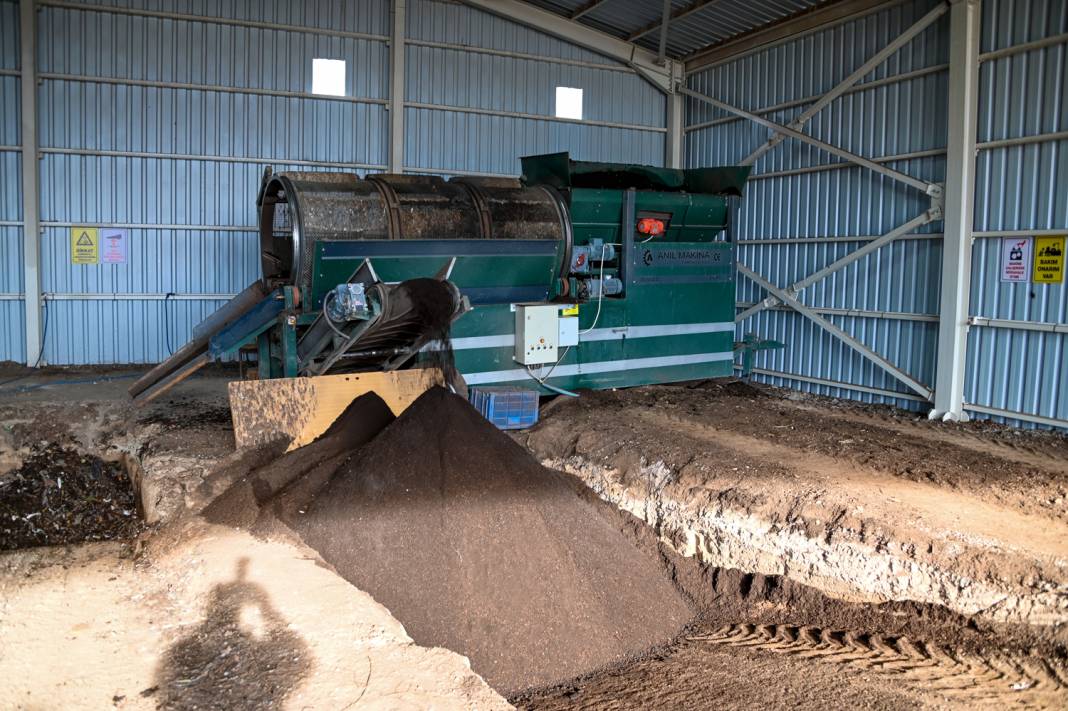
60 496
476 547
469 542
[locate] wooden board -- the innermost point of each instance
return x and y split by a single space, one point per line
303 408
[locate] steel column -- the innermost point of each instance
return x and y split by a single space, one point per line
674 140
838 333
932 189
862 71
960 193
396 88
31 229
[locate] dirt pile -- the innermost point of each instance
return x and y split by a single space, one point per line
476 547
261 485
59 496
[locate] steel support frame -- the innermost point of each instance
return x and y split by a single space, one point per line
913 384
396 86
789 295
930 215
964 23
674 141
932 189
862 71
31 217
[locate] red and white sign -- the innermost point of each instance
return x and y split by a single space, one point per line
113 246
1016 259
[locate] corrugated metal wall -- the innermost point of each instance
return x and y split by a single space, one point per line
488 97
802 211
12 329
1020 188
165 128
801 193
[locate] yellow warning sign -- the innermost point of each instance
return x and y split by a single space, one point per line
84 245
1049 260
570 310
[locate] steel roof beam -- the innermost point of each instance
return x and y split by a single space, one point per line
685 12
662 76
862 71
587 8
665 24
811 20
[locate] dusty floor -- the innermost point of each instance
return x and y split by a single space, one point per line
208 617
809 496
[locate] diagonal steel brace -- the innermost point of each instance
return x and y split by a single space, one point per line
862 71
935 213
838 333
933 189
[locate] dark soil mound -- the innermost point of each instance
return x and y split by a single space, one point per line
276 481
476 547
60 496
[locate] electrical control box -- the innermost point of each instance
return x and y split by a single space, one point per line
569 331
537 333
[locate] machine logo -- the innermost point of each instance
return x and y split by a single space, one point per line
647 257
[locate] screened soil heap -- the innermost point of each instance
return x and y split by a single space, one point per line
476 547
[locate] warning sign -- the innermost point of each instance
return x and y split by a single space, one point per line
114 246
84 245
1049 260
1016 259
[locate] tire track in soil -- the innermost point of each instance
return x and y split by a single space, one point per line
972 678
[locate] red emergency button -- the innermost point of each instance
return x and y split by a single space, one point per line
651 226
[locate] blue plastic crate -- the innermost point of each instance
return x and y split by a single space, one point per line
507 408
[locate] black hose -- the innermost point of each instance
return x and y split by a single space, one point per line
167 322
40 354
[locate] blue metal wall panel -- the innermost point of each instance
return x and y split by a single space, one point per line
12 330
165 129
160 49
489 82
1020 188
454 23
9 34
819 197
351 16
450 142
242 101
623 115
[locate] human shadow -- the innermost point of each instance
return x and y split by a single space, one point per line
242 656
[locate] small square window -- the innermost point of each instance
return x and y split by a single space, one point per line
328 77
568 103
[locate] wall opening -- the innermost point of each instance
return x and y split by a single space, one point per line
328 77
568 103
